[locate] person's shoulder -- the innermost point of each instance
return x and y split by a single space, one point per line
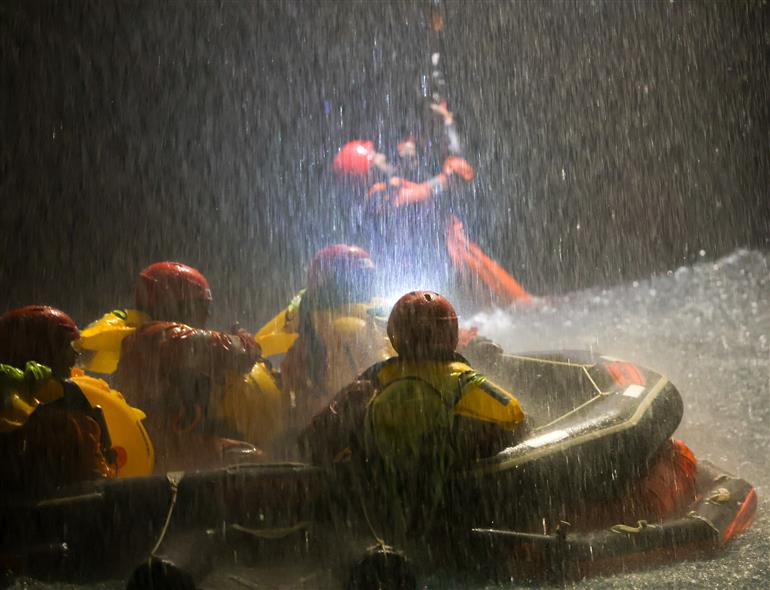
457 363
373 373
84 380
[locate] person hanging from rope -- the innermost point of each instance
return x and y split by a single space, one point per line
412 196
409 212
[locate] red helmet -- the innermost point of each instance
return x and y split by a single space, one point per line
341 274
423 326
355 158
38 333
174 292
332 263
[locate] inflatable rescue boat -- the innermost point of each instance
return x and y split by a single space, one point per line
597 422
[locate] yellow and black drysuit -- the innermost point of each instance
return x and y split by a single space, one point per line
425 408
412 423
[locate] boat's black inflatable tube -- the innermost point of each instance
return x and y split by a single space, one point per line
725 507
109 527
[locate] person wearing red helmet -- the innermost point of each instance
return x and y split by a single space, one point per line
359 159
418 415
338 330
337 273
407 214
50 434
39 333
164 290
428 385
183 375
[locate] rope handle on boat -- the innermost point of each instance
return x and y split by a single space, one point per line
719 496
379 541
625 528
173 478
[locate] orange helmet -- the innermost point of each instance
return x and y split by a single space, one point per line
355 158
423 326
38 333
174 292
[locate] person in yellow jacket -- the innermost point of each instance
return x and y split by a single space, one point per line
168 291
165 335
340 331
414 418
56 430
427 391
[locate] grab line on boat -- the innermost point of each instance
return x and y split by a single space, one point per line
547 361
173 477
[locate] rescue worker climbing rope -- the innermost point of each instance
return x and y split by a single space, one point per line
412 219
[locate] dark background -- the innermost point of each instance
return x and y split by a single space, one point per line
613 140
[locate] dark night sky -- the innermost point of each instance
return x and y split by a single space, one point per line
197 131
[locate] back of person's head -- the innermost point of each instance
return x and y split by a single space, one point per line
340 274
38 333
423 326
355 159
174 292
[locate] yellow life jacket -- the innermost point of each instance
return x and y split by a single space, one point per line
277 335
23 391
103 338
417 402
250 405
134 452
353 339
